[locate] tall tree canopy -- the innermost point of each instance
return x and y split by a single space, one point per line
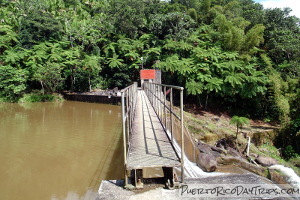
229 51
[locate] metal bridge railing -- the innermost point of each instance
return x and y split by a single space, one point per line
161 98
128 107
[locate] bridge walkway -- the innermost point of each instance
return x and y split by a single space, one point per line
149 143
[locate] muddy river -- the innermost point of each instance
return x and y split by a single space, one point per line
58 150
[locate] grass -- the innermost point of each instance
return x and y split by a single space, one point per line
38 97
202 127
34 96
271 151
295 161
199 127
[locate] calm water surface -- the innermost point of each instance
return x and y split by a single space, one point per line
58 150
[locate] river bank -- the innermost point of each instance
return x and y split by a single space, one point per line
215 130
97 96
113 189
231 167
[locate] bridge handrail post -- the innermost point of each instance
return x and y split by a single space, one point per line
127 114
159 102
171 115
182 136
165 96
124 136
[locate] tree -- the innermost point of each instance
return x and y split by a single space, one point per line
12 82
175 25
38 27
213 48
253 12
50 76
235 35
8 38
91 64
239 122
71 61
284 47
282 35
127 16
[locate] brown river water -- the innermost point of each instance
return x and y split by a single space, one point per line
58 150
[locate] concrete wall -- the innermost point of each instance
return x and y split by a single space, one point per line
115 100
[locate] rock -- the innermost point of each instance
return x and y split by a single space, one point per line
209 137
217 149
266 161
296 161
253 155
225 143
216 154
229 160
207 162
208 149
277 177
215 119
233 152
204 148
264 137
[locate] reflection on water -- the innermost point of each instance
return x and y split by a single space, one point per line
58 150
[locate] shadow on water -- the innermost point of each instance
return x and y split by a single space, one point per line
116 165
113 162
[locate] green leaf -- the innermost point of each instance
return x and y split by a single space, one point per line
239 121
115 62
234 80
194 88
214 84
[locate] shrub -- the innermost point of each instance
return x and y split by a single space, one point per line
37 97
289 152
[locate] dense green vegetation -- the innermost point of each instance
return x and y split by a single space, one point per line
228 54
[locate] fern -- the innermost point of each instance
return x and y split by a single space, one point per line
115 62
234 80
91 63
214 84
152 51
110 49
11 56
239 122
7 36
194 88
132 55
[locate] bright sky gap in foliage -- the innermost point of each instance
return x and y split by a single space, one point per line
293 4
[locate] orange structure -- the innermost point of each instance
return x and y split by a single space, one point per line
147 74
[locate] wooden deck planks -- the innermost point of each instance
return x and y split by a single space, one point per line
149 144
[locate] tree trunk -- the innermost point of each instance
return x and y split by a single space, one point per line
200 104
43 90
206 101
71 77
90 87
236 136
